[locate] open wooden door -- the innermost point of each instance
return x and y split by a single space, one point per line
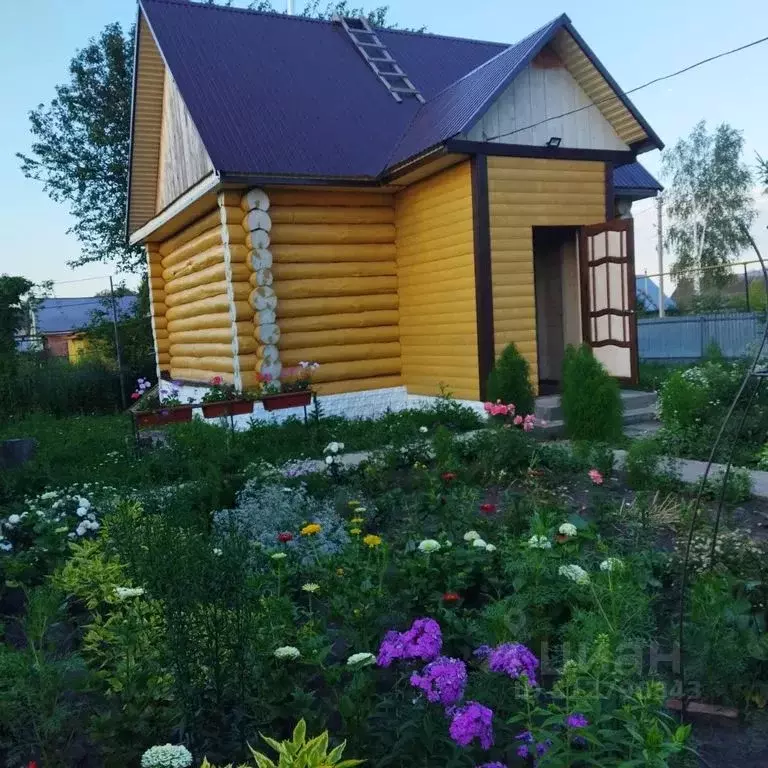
607 264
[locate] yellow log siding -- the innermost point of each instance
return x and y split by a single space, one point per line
436 279
334 280
524 193
158 309
204 295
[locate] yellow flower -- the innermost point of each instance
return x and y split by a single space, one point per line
311 529
355 531
372 541
353 503
357 520
339 571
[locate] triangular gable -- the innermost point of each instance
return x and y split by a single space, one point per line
167 155
459 108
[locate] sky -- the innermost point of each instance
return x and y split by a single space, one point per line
39 37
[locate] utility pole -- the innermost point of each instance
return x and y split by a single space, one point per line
660 251
117 344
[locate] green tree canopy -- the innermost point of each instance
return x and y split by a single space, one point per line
708 201
16 303
81 138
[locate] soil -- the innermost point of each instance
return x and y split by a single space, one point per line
724 745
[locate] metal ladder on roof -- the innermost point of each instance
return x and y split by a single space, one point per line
378 57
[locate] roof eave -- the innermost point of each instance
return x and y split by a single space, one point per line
134 78
653 141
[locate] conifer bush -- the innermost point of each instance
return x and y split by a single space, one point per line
510 381
591 399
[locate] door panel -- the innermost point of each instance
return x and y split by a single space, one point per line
607 264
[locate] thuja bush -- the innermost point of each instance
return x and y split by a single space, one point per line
510 381
591 398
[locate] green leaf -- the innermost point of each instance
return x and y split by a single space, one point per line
276 745
262 761
300 732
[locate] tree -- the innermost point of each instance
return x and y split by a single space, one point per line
80 152
709 201
15 294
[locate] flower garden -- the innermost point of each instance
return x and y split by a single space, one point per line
465 596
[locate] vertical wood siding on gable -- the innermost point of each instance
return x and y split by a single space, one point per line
335 278
183 159
436 279
523 193
147 128
538 94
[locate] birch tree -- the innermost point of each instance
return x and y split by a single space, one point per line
709 201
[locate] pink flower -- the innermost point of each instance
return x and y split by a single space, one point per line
595 476
216 380
518 420
135 396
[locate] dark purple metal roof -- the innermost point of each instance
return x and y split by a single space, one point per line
462 103
634 178
281 95
65 315
276 94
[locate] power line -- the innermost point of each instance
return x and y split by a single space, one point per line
635 89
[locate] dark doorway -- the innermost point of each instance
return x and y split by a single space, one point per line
556 280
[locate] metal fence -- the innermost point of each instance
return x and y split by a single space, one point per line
686 337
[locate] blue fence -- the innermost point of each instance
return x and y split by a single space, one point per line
686 337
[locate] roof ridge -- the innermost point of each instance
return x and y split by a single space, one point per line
314 20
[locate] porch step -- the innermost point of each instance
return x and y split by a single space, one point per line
639 408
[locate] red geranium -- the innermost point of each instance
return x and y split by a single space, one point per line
216 380
135 396
448 477
487 508
284 538
451 597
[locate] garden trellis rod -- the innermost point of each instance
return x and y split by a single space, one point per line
655 80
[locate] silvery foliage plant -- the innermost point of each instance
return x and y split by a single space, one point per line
266 510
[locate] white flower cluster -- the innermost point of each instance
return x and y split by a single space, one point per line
332 451
124 593
360 659
475 539
539 542
166 756
575 573
287 652
429 545
611 564
67 511
567 529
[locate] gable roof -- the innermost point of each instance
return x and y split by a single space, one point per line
71 314
278 95
633 180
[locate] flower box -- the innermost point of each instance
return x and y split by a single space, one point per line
287 400
170 415
227 408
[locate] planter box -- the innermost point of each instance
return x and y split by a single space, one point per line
287 400
171 415
227 408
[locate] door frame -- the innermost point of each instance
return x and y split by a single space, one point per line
614 225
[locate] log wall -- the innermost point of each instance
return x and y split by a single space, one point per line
157 309
334 284
523 193
436 275
204 281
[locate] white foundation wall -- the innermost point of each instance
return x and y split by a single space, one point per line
368 404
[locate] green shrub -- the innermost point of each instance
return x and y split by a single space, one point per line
642 463
591 398
510 381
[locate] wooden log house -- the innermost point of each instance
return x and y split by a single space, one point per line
396 206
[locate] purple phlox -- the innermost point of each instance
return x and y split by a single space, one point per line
522 751
514 659
442 680
524 736
422 641
482 651
492 765
576 720
470 722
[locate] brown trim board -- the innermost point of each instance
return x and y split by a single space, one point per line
481 220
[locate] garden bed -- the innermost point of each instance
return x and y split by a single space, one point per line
213 592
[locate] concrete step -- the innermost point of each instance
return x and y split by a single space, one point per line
548 407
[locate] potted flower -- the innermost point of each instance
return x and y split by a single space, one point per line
222 400
293 391
148 410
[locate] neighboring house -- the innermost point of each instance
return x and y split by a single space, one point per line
648 294
57 322
394 205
